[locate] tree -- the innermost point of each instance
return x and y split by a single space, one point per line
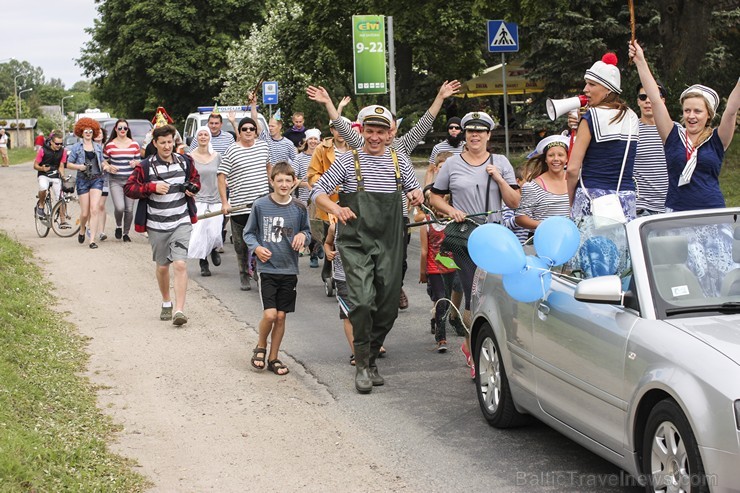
147 53
30 76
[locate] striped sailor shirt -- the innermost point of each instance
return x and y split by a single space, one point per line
445 146
378 173
166 212
219 142
650 171
246 173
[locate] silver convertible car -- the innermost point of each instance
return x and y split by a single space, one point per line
633 351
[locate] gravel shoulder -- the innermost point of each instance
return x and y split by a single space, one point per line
195 416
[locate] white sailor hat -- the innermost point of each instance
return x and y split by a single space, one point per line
707 92
375 115
477 120
548 142
313 132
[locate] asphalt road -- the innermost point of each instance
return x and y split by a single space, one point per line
427 414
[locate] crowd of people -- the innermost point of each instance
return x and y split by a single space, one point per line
348 198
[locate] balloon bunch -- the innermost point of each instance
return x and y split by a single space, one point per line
496 250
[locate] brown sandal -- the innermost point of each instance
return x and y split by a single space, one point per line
259 359
276 365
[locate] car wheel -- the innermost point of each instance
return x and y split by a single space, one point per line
494 395
670 455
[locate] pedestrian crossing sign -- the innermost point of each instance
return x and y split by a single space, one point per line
503 36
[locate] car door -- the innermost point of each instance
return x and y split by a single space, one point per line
579 355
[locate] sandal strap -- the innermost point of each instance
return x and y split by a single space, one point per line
260 350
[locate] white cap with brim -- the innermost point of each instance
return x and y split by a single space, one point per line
709 94
375 115
477 120
547 143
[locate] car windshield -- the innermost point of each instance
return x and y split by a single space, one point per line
602 252
694 263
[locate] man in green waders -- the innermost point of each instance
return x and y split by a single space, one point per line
371 234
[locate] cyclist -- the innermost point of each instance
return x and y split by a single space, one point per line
49 163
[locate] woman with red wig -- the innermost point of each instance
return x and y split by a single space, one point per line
86 158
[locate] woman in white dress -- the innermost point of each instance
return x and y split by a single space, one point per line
206 236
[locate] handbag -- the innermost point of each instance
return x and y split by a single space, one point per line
607 209
457 234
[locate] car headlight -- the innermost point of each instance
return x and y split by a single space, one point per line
737 414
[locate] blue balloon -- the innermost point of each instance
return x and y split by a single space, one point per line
531 283
495 249
556 239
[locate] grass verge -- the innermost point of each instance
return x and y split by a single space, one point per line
23 155
52 436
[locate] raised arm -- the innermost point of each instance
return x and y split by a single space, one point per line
447 89
727 126
662 119
321 96
576 158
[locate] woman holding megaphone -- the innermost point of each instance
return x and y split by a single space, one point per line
694 151
600 166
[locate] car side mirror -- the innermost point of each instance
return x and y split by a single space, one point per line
603 289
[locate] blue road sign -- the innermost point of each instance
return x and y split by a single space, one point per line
503 36
270 92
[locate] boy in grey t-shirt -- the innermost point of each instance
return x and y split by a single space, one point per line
276 231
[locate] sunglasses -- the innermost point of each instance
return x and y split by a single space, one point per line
248 129
122 128
57 143
454 127
88 131
644 97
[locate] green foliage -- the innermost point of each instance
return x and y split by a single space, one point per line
265 54
54 437
7 108
30 76
147 53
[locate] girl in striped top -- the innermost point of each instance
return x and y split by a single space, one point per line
121 154
546 192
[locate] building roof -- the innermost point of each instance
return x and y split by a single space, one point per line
27 123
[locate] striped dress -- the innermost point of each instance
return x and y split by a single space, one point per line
121 158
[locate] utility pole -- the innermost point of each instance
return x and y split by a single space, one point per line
17 109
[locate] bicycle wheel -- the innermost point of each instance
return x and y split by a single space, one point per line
42 224
66 216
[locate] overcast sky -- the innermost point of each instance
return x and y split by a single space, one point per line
47 34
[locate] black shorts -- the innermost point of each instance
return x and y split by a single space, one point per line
278 291
345 306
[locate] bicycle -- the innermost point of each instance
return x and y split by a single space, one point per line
62 217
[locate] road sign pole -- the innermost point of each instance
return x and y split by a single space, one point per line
506 103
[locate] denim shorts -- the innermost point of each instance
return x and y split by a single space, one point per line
84 185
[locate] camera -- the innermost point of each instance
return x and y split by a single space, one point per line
185 187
